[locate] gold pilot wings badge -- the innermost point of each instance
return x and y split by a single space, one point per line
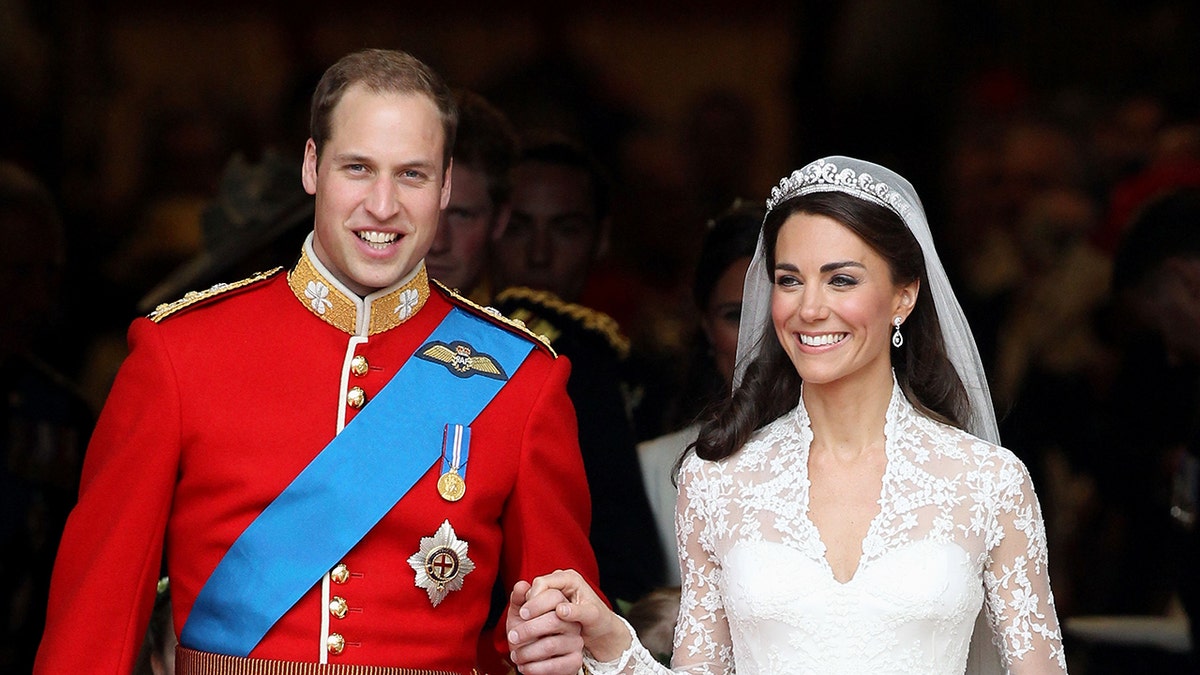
461 359
441 564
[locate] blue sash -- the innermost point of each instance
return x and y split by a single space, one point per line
346 489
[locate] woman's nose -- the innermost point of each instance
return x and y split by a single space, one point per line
812 304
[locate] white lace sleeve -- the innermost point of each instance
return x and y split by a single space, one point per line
636 660
1019 604
703 645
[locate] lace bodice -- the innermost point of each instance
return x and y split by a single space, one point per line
959 529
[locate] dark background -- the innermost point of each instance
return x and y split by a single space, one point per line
1020 122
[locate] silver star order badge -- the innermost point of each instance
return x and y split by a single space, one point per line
441 563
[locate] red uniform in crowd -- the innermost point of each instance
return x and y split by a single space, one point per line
226 397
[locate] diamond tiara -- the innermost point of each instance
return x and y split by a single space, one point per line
823 176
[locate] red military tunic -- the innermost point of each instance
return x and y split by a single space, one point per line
223 402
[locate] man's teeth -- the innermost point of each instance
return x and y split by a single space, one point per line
822 340
378 239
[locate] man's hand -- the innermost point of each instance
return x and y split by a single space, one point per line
551 620
541 643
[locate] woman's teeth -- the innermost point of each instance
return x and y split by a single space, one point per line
821 340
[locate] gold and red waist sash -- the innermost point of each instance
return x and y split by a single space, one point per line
192 662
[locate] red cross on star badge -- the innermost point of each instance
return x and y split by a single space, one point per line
441 564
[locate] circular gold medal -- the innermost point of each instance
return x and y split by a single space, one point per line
451 486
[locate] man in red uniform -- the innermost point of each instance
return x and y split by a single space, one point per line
340 459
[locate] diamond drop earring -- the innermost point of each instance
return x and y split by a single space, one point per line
897 338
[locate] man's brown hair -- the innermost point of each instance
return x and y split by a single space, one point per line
486 143
382 71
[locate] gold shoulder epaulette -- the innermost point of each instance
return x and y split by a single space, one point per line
497 316
192 297
591 319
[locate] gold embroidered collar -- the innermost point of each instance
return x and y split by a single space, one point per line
336 305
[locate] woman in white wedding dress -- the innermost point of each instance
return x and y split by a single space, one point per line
847 510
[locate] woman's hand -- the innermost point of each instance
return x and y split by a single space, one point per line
539 641
546 618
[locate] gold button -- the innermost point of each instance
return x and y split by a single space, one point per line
356 398
359 365
338 607
335 643
340 574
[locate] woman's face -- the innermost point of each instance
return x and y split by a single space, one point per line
833 301
721 316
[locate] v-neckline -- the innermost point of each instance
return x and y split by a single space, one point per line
874 524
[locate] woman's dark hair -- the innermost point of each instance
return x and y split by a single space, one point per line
771 385
730 237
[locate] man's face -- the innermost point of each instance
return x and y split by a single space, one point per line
459 252
553 235
379 186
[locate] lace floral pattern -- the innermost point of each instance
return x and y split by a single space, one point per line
959 530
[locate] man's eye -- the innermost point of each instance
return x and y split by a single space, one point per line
516 226
572 227
459 215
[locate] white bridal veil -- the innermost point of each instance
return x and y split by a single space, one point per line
879 185
882 186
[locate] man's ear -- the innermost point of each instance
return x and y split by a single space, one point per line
602 238
308 167
500 221
446 183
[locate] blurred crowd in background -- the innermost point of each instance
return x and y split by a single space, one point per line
153 150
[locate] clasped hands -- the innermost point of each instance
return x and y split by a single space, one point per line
552 620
